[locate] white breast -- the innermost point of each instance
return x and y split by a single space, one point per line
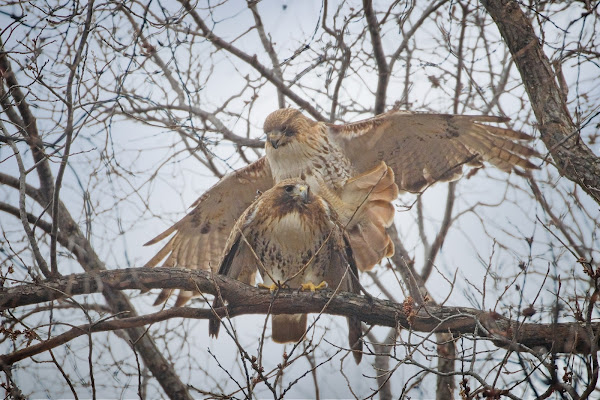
296 160
292 234
289 161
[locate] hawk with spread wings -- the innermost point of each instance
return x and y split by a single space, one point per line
295 239
354 166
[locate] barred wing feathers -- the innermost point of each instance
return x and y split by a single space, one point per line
423 148
199 238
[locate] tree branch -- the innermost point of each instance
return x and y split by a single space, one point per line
382 65
244 299
87 257
268 74
573 158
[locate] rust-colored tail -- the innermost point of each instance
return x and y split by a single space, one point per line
365 208
288 328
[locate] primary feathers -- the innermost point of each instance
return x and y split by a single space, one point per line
355 167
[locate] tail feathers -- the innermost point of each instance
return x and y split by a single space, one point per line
214 324
288 328
370 244
354 338
182 298
366 208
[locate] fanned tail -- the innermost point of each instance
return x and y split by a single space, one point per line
365 208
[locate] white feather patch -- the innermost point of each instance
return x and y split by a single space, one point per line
292 234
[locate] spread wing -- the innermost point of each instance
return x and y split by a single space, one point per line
424 148
199 238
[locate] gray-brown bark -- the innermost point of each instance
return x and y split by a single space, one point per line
244 299
573 158
65 226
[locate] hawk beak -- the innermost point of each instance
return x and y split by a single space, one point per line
274 137
303 191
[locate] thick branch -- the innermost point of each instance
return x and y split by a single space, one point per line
87 257
244 299
573 158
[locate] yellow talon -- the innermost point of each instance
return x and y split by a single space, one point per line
311 286
272 287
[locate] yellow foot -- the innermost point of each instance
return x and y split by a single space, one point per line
272 287
311 286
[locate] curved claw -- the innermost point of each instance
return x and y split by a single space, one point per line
272 287
311 286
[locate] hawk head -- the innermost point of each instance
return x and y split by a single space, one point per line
294 213
292 192
293 196
286 125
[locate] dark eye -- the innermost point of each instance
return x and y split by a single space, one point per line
287 131
289 188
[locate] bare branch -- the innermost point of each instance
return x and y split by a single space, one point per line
560 135
244 299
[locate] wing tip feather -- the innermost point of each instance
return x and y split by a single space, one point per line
161 236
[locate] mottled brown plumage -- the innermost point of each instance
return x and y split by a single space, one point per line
200 236
291 236
339 162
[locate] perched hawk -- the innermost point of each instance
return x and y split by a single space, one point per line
342 163
294 238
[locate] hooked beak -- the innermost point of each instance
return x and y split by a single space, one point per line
303 191
274 137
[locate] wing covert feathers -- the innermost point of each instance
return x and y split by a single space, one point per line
199 238
424 148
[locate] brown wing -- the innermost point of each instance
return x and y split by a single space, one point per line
238 262
200 237
424 148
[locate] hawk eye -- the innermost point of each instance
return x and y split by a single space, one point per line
287 131
289 188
